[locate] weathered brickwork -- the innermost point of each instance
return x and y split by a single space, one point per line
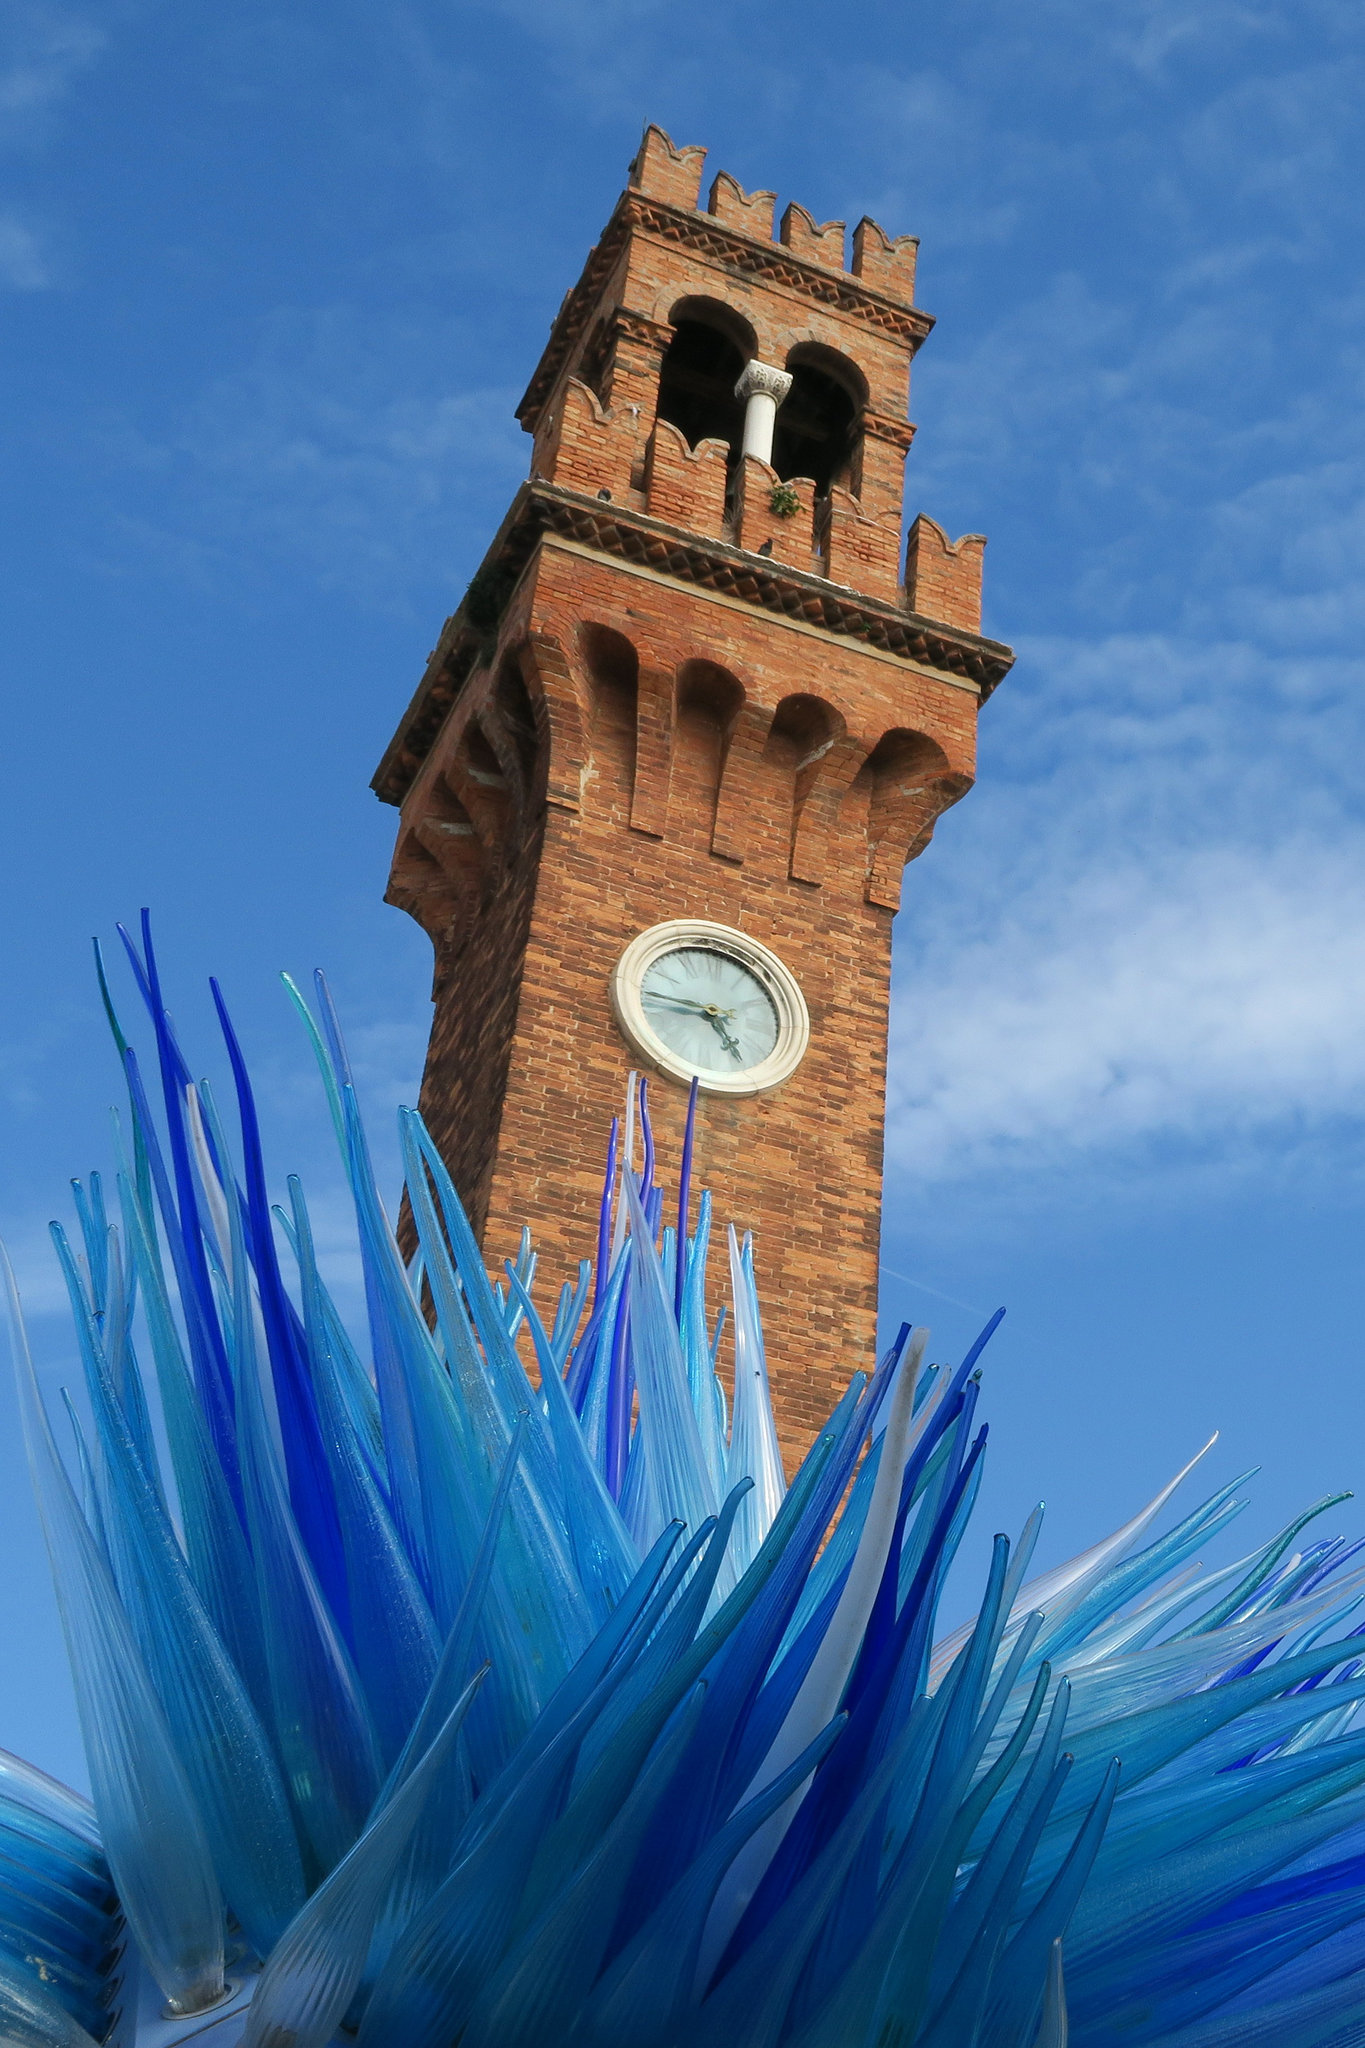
628 725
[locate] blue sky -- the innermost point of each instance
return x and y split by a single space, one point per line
271 280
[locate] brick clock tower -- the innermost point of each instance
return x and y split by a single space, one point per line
695 713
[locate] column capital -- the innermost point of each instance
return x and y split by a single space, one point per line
761 380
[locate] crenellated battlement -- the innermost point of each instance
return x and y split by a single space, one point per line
884 263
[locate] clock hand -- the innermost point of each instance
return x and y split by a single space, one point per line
712 1012
713 1017
708 1010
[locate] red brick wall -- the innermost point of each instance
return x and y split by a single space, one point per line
672 698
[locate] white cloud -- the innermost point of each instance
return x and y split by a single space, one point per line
24 263
1150 932
1219 996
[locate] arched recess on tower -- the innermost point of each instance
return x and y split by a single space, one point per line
612 667
796 756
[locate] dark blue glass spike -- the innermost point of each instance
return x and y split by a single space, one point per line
882 1619
604 1213
620 1396
183 1221
835 1783
206 1360
310 1485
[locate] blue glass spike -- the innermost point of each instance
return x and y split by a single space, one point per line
443 1957
184 1219
536 1993
149 1825
222 1748
602 1549
321 1723
646 1185
620 1394
392 1634
680 1483
312 1975
650 1987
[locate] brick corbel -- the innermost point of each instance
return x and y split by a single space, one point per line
558 702
900 825
486 806
494 729
737 797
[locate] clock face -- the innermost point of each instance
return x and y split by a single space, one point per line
710 1009
703 1001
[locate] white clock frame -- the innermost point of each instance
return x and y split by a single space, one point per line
793 1018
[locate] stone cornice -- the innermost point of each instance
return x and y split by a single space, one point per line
747 254
620 532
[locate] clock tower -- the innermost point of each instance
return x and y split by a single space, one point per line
697 709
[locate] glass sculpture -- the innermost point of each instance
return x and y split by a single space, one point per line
481 1680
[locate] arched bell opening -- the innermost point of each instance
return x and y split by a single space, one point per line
701 366
816 429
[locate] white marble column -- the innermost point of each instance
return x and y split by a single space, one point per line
763 389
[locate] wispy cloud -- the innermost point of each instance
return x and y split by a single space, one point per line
331 447
43 48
